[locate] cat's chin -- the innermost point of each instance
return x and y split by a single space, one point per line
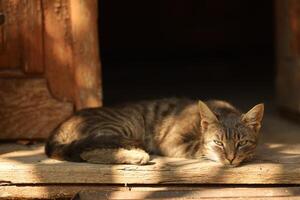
231 165
227 164
224 163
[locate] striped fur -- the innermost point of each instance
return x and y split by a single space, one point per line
169 127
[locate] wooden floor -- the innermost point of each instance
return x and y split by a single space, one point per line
275 173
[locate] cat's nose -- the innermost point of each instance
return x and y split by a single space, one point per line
230 158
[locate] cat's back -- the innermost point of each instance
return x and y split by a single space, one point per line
137 116
148 111
158 109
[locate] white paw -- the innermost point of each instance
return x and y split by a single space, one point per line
140 158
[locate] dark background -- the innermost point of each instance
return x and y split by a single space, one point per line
195 48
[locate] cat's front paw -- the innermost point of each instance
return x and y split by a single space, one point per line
137 157
133 156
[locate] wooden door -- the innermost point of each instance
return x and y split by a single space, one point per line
49 64
288 55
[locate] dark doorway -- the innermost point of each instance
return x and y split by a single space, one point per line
196 48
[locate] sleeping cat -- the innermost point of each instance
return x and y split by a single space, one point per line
213 130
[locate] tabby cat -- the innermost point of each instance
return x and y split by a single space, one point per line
214 130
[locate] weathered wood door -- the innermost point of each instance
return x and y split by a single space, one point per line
49 64
288 55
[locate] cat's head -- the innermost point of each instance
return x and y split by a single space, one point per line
229 136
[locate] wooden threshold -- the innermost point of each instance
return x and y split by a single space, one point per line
25 168
149 192
29 165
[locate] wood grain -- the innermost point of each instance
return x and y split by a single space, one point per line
21 36
58 49
28 110
154 192
191 193
86 59
71 51
10 45
31 28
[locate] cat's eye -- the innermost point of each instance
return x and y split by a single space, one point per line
243 143
218 143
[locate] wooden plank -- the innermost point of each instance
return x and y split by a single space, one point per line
172 198
31 27
71 51
154 192
92 196
86 60
29 165
58 48
203 193
10 42
28 110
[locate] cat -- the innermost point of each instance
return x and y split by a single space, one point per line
127 134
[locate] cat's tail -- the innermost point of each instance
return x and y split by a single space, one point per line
63 141
72 145
64 145
57 149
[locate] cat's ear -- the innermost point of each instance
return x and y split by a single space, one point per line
206 115
253 117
